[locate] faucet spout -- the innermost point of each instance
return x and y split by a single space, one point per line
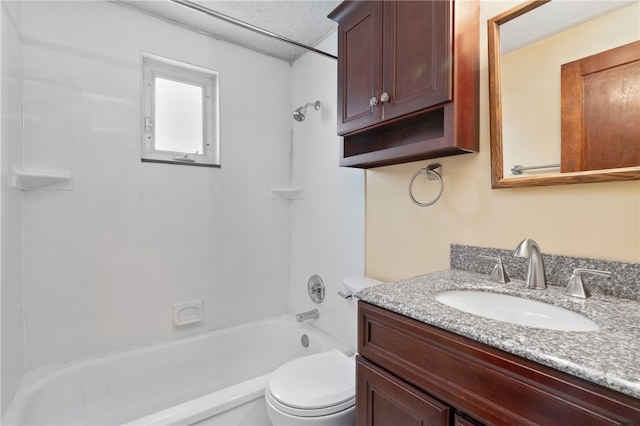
530 250
312 314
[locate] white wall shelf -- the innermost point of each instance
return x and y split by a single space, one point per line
30 179
287 192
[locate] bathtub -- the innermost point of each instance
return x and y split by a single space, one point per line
216 378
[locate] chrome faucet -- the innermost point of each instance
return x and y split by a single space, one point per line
312 314
530 250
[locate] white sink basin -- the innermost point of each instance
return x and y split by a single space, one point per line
516 310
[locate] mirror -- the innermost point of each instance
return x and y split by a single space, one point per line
529 46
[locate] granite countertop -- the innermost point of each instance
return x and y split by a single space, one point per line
609 357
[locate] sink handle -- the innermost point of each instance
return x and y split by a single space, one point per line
576 287
498 274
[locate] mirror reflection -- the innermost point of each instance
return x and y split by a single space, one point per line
529 46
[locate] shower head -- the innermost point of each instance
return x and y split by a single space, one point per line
299 114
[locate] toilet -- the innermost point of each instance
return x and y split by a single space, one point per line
318 389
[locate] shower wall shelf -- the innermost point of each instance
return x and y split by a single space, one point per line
30 179
287 192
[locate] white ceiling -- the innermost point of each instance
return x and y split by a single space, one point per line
304 21
553 18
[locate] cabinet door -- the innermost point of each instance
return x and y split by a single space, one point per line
417 60
359 65
384 400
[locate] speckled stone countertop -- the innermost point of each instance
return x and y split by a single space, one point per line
609 357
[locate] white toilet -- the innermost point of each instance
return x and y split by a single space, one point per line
318 389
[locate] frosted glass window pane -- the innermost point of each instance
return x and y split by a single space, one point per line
178 116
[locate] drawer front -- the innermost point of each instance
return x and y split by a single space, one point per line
488 384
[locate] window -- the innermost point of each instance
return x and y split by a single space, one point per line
180 123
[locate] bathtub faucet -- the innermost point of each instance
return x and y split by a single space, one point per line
312 314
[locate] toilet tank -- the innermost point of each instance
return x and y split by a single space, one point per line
354 284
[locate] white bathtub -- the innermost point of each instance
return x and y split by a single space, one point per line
217 378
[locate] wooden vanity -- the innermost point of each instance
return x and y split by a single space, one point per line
412 373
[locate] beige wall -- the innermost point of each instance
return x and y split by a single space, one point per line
598 220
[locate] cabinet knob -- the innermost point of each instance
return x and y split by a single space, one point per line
384 97
373 102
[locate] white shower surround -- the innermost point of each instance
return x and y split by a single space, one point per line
327 224
214 378
11 201
105 262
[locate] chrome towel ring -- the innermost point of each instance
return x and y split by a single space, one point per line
431 172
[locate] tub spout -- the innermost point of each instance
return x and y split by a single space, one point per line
312 314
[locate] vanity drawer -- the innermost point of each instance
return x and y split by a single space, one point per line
486 383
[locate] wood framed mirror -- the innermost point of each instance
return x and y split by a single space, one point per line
540 118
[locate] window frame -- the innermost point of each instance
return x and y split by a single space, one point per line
155 66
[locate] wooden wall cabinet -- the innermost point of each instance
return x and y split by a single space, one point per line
415 372
407 80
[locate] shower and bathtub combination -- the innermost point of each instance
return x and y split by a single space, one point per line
273 371
92 299
216 378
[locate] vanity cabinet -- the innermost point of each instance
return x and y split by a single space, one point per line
391 401
407 80
414 371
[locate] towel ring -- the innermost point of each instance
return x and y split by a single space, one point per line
431 173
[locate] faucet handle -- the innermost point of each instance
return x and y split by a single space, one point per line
344 295
576 287
498 274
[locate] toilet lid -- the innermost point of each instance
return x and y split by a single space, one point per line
315 381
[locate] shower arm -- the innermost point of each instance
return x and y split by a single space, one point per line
315 105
